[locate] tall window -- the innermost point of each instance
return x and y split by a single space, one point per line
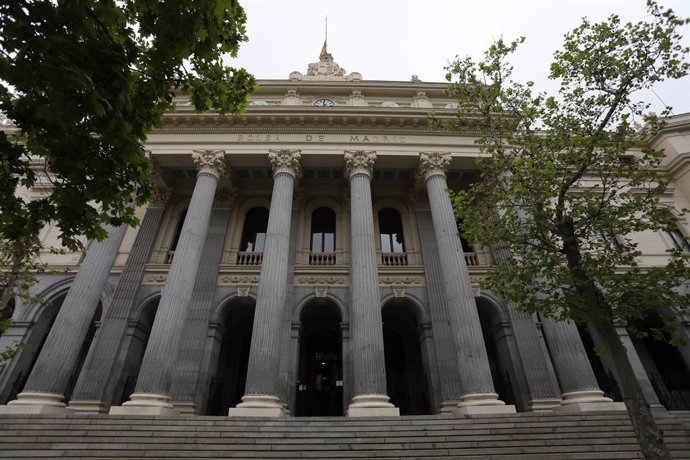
176 237
678 239
323 230
390 228
466 246
254 232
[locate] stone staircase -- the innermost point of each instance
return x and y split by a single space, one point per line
516 436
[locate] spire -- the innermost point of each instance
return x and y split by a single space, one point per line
324 48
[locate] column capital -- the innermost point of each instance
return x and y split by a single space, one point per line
285 161
210 161
433 164
359 162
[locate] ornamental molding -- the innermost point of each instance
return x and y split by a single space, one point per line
155 278
161 197
359 162
224 198
238 280
398 291
401 281
243 291
210 161
433 164
321 291
285 161
314 280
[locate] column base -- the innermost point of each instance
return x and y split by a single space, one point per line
145 404
482 403
372 405
590 400
30 402
543 405
258 406
85 406
185 407
448 407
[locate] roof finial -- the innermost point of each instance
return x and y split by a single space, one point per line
324 48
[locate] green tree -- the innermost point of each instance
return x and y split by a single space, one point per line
562 175
83 82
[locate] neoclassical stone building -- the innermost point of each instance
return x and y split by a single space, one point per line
304 259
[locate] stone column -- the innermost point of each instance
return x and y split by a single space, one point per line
579 387
366 328
93 392
151 396
478 395
544 393
262 390
44 390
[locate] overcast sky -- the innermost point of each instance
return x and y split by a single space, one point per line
395 39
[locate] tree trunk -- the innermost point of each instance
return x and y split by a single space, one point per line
648 434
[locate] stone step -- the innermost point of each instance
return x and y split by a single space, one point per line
526 436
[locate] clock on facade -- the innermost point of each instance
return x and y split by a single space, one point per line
324 103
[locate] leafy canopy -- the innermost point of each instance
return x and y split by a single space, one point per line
83 82
567 183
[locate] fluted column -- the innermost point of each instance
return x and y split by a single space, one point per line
262 389
478 395
95 386
579 387
151 395
366 327
44 390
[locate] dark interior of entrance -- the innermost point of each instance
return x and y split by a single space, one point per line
406 379
497 349
226 387
320 378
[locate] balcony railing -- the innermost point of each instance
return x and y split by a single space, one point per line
322 258
471 259
250 258
394 259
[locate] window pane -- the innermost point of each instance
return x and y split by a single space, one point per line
397 243
317 242
259 243
329 242
385 243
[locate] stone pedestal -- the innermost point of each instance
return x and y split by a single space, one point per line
33 402
363 406
146 404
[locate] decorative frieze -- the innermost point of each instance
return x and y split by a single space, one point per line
155 278
210 161
313 280
235 280
285 161
433 164
359 162
405 280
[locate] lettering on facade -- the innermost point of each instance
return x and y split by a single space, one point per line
314 138
258 137
362 139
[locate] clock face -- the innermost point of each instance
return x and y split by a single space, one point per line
324 103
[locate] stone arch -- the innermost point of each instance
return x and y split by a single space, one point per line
422 313
230 345
320 372
408 378
500 347
297 312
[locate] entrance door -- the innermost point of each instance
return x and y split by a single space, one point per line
320 382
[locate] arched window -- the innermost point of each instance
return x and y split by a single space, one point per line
391 235
390 229
254 232
322 237
176 238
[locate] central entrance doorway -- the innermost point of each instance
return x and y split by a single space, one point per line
320 378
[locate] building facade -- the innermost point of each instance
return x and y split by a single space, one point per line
304 259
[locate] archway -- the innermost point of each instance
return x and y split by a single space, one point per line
498 351
226 386
605 379
406 378
136 350
665 366
28 353
320 375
